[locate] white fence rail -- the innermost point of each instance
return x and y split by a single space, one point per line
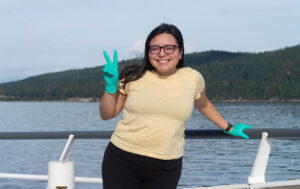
61 173
45 177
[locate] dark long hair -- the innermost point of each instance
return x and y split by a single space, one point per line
134 72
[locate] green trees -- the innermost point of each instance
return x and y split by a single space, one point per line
256 76
244 76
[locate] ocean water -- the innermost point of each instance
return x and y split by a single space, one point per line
206 161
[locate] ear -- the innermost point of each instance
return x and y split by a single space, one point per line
180 53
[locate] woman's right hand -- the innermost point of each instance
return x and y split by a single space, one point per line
238 130
111 73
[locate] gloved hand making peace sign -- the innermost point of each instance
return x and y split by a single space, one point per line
111 73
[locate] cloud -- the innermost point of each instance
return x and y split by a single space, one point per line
188 49
137 48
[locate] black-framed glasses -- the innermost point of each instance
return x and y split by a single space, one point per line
168 49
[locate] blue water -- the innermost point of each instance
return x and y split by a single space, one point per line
206 162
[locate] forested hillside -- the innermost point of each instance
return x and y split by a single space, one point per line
229 76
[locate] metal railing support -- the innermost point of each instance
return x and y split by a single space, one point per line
67 150
61 174
261 161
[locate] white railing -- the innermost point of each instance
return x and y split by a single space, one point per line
256 180
45 177
61 172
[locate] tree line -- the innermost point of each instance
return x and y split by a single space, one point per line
228 76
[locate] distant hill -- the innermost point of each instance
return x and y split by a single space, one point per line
272 75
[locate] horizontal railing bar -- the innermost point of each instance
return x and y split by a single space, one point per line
189 134
56 135
23 176
252 133
45 177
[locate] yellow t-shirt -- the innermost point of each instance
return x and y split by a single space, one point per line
155 112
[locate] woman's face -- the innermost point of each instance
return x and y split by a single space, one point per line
163 59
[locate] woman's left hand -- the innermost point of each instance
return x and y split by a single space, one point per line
238 129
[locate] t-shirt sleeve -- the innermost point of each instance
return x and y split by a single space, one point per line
121 88
200 84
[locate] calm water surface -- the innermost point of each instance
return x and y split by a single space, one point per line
206 162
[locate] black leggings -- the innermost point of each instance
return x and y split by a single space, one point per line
125 170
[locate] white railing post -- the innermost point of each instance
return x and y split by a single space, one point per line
261 161
67 149
61 174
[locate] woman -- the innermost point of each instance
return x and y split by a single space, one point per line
158 97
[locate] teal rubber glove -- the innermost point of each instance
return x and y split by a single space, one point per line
111 73
238 130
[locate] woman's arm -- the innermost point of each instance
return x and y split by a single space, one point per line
212 114
209 111
111 105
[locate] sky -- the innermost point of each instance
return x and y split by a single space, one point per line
42 36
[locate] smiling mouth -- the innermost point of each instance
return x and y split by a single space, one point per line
163 61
